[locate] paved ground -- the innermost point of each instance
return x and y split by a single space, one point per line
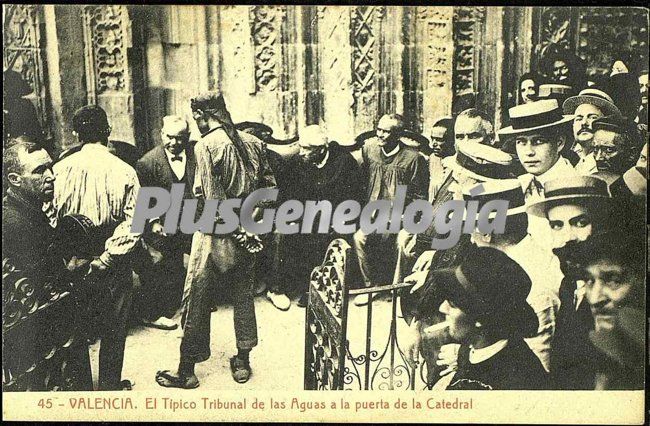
277 361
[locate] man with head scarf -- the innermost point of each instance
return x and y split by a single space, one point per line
230 164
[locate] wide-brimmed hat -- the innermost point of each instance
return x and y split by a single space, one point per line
583 189
560 92
506 190
482 162
492 288
533 116
592 96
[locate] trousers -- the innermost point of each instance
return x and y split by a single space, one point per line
216 261
377 257
112 321
161 283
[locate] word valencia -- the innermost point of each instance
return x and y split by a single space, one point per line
291 217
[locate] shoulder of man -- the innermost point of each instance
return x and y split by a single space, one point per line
410 153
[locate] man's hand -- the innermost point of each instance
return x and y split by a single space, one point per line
412 342
420 270
97 267
448 357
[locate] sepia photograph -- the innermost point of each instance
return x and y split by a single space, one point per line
224 212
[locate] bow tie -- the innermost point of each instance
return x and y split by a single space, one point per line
177 158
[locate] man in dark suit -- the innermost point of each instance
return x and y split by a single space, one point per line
170 163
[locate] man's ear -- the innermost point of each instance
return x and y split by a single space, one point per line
14 178
561 143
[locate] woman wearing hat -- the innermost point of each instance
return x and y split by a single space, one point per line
485 307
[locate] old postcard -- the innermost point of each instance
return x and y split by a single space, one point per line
230 212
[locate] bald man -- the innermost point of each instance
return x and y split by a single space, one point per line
322 171
387 164
170 163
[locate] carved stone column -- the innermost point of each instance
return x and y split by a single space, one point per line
368 37
107 37
23 51
435 53
334 55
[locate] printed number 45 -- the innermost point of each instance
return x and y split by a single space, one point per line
45 403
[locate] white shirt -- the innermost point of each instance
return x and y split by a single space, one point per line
479 355
178 167
95 183
538 227
392 153
322 163
587 165
543 269
561 168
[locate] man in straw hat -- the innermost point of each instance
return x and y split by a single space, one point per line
229 164
486 311
586 107
576 209
538 134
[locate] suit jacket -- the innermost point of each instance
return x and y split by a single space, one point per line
154 170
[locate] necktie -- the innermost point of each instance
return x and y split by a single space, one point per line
535 189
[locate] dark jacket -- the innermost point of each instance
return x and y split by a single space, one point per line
338 180
515 367
573 357
26 235
154 170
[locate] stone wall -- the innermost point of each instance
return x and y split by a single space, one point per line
288 66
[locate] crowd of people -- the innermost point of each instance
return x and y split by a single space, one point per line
556 301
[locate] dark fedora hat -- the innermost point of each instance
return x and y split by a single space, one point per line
506 189
493 288
482 162
534 116
583 189
255 128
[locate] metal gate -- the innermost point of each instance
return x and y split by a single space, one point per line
329 362
43 348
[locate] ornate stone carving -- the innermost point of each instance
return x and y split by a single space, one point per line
555 31
434 38
266 30
364 27
106 27
467 27
602 31
22 52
